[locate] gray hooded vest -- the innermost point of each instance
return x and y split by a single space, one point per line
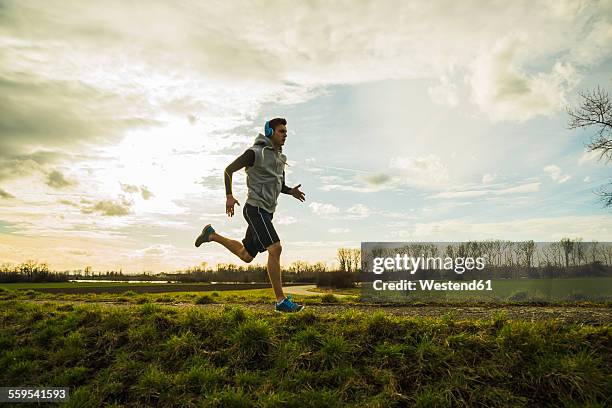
265 178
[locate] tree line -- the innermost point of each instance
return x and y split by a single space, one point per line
504 259
297 272
499 253
508 259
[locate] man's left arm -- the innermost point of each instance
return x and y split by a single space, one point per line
295 191
286 189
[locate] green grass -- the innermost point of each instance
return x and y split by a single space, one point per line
151 354
246 296
329 298
204 299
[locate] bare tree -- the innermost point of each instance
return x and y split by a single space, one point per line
568 247
298 266
605 193
527 250
580 250
595 111
344 259
319 267
356 259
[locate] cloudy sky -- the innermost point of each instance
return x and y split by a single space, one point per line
408 121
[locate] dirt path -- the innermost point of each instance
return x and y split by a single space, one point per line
578 315
306 290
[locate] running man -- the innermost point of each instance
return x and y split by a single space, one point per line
265 168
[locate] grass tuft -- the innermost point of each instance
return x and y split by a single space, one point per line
335 350
204 300
152 383
235 313
329 298
251 344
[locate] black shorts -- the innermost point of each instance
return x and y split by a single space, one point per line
261 233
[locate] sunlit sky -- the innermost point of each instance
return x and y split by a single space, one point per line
408 121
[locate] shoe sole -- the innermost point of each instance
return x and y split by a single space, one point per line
280 311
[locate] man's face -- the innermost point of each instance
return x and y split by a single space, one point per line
279 135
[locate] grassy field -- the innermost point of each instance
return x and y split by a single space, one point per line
84 287
34 285
251 296
143 293
557 291
152 354
591 292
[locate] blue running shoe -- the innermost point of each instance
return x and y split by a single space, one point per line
288 306
205 235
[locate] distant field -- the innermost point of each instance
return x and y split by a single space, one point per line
144 294
35 285
119 287
524 290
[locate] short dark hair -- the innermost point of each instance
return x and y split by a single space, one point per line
277 121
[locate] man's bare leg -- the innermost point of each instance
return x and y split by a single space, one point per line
274 273
235 247
274 253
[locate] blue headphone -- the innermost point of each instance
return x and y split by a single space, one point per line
268 130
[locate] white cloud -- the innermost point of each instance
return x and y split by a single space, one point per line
488 178
595 46
588 157
285 220
460 194
352 188
358 211
587 179
323 208
156 250
521 188
424 171
504 90
595 227
555 173
339 230
109 208
444 93
319 44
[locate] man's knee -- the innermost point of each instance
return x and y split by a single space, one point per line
275 249
246 257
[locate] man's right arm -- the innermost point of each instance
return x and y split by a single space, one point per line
247 159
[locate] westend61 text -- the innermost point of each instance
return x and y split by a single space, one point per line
432 285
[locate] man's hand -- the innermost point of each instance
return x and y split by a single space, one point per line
229 205
295 191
